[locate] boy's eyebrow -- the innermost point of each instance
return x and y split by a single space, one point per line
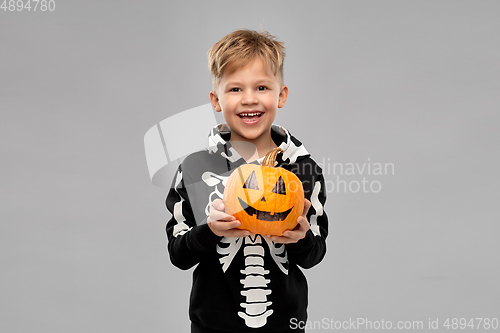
264 81
268 81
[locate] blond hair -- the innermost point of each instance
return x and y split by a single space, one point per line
242 46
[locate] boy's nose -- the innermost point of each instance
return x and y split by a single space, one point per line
249 98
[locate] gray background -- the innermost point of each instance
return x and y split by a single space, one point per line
414 83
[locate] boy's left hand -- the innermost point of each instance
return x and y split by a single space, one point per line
299 232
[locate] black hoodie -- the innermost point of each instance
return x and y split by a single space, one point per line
244 284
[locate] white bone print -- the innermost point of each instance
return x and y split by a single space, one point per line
278 253
254 284
213 180
227 249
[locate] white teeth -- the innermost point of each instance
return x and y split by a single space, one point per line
252 114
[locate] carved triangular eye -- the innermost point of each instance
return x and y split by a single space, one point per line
279 187
251 182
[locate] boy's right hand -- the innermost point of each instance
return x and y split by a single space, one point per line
222 224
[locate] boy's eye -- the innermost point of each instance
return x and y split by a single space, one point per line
234 89
262 88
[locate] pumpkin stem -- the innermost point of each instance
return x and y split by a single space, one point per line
270 157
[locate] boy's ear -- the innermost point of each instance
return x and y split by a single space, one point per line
283 96
215 101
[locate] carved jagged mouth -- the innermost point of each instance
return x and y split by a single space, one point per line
263 215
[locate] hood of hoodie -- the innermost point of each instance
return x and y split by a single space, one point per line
293 149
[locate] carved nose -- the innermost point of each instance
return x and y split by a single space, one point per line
263 199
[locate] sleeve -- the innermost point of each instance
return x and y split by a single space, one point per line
310 250
188 243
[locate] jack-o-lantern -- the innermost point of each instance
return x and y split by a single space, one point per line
266 200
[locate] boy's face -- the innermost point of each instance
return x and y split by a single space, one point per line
249 98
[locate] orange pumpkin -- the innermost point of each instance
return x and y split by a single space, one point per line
267 200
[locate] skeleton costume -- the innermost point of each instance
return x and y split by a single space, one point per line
244 284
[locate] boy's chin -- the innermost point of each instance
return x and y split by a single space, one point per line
251 137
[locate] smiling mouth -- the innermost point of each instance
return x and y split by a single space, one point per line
263 215
250 115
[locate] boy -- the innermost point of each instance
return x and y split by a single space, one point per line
244 282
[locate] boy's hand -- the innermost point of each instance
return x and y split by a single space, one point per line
222 224
299 232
